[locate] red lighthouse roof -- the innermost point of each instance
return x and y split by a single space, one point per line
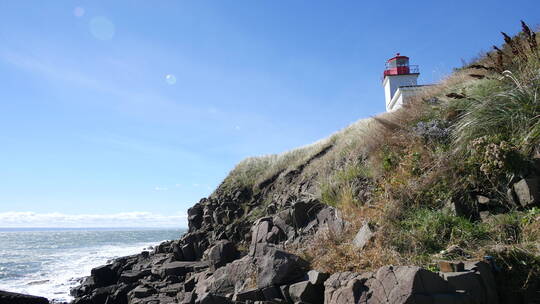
398 56
399 65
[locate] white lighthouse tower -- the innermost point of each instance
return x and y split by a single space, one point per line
399 81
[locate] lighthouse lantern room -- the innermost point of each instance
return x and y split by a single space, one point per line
400 81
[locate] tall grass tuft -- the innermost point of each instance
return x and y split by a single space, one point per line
508 105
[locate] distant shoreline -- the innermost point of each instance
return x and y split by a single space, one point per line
20 229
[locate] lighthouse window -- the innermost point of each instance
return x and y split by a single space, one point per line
402 62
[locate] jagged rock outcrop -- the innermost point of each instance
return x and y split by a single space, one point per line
17 298
235 252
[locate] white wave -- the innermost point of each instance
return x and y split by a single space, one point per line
64 270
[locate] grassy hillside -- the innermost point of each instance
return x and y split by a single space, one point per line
436 179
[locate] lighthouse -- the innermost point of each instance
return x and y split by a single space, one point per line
400 81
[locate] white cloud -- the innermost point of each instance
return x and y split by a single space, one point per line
159 188
124 219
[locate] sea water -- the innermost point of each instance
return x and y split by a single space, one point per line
49 262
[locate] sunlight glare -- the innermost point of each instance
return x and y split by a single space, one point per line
102 28
171 79
78 11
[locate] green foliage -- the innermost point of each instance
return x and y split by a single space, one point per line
507 107
506 228
430 231
530 216
390 159
342 187
437 193
520 268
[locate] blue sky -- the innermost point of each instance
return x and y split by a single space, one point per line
127 112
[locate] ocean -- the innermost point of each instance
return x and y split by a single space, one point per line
49 262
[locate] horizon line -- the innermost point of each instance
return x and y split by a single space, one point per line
90 227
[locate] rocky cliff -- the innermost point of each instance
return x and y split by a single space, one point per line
434 203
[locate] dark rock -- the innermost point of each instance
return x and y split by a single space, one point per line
403 284
85 288
177 252
188 252
195 217
221 253
285 293
272 293
119 295
145 254
186 297
487 277
253 294
278 267
17 298
467 281
228 279
178 268
133 276
189 284
317 278
300 213
305 292
100 295
104 275
209 298
141 292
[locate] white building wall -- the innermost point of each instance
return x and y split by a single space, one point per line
392 83
401 96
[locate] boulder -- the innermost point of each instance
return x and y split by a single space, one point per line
195 217
17 298
345 288
527 191
104 275
305 292
119 294
364 235
331 220
141 292
186 297
229 279
272 293
401 284
85 288
467 281
278 267
178 268
100 295
188 252
487 277
300 213
221 253
133 276
177 252
252 294
209 298
317 278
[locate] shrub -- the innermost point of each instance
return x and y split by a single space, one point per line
506 228
429 231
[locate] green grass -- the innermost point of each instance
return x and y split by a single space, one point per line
429 231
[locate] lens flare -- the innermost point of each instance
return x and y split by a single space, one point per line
102 28
78 11
170 79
